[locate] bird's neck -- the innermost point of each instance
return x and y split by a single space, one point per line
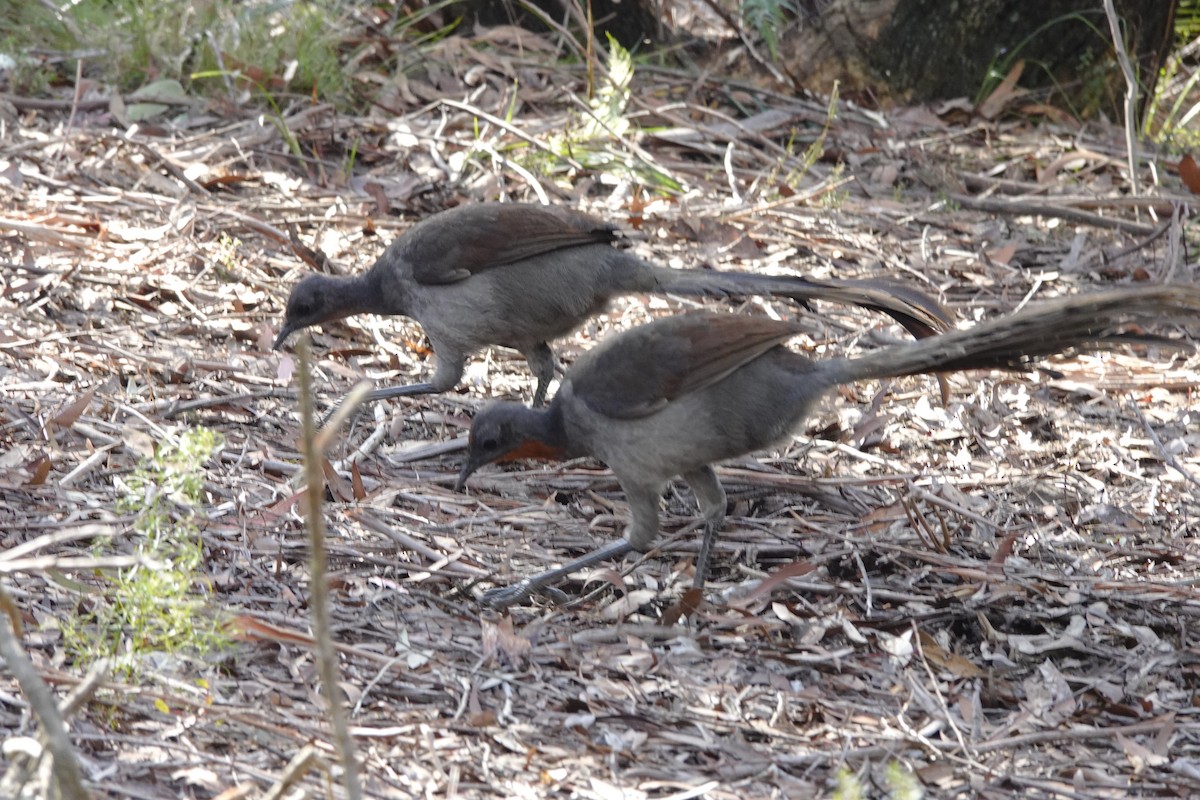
364 294
543 435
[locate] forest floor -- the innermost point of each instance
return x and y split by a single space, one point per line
989 597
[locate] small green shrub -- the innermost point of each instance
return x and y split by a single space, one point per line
158 606
593 137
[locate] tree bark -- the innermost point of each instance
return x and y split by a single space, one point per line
920 50
628 21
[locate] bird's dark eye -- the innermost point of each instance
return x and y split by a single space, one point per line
489 444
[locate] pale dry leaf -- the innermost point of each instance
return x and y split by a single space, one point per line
583 720
1048 696
10 174
626 604
1139 755
899 649
286 368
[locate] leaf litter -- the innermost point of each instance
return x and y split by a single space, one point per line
995 594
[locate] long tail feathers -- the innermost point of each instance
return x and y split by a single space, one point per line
1083 322
919 313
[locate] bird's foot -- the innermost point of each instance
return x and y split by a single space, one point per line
505 596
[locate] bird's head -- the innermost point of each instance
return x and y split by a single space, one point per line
504 431
311 302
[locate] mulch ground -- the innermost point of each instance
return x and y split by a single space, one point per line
985 598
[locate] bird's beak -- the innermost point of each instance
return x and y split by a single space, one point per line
288 330
467 470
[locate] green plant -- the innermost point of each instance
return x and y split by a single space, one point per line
26 77
811 154
1172 113
586 138
837 195
814 150
766 18
901 783
280 45
229 260
847 786
611 97
25 27
593 137
411 22
1005 60
157 606
348 161
1187 21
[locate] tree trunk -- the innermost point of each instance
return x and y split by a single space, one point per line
919 50
628 21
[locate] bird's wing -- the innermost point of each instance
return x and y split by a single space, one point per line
637 372
458 243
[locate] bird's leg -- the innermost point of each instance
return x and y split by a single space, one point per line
383 394
711 498
521 591
399 391
541 363
446 376
641 533
711 529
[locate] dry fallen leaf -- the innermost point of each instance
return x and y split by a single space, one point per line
955 663
356 481
1139 755
796 569
339 487
39 469
499 639
626 604
1189 171
898 648
248 628
686 606
68 414
1003 94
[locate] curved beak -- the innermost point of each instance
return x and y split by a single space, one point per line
468 468
288 330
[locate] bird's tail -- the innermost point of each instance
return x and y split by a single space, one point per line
1082 322
919 313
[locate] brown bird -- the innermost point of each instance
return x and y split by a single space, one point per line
676 395
522 275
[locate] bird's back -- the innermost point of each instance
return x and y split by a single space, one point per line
535 300
686 391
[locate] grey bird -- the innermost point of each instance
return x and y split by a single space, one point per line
522 275
674 396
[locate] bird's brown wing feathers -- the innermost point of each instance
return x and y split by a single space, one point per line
642 370
458 243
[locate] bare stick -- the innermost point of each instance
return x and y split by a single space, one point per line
1166 454
326 655
65 768
1131 90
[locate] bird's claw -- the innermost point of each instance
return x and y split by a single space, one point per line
505 596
